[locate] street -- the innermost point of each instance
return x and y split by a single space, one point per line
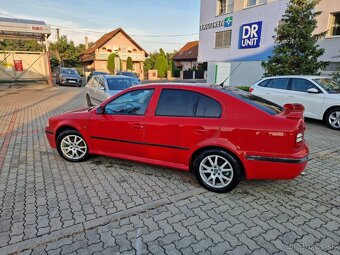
111 206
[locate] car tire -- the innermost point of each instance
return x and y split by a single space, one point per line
72 146
332 118
217 171
88 101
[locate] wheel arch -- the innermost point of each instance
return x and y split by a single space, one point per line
328 110
62 129
200 150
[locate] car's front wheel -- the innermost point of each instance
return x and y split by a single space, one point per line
217 170
333 118
72 146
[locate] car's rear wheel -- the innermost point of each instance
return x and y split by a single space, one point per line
217 170
333 118
72 146
88 100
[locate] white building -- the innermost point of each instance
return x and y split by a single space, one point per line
236 35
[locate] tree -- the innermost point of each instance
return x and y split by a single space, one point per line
161 66
296 50
129 63
20 45
65 51
111 63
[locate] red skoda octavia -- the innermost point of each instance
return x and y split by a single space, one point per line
223 135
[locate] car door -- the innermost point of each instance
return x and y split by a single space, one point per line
119 129
90 89
101 90
275 90
313 102
182 119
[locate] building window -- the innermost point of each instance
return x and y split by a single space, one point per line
335 24
223 39
225 6
250 3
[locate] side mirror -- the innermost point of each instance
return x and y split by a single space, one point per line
99 110
101 88
313 91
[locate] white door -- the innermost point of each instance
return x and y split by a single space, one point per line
274 90
313 102
101 90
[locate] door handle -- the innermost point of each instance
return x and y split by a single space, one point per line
136 125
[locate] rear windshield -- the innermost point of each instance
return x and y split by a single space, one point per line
121 83
258 102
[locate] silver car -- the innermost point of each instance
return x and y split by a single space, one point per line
101 87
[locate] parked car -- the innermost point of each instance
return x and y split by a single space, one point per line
223 135
95 73
319 95
130 74
68 76
101 87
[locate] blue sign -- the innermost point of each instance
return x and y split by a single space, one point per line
228 22
250 35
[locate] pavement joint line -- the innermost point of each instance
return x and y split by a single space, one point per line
30 244
8 136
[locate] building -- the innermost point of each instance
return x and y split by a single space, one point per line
186 57
236 35
119 42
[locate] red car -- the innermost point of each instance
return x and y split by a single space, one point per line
223 135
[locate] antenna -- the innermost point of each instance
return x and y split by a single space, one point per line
222 84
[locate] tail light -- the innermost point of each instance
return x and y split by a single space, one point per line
251 89
299 137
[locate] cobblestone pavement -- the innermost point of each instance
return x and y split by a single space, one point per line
109 206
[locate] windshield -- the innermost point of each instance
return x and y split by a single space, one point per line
258 102
121 83
69 71
329 85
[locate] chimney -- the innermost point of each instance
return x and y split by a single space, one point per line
86 42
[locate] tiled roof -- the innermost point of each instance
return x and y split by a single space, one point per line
188 52
88 54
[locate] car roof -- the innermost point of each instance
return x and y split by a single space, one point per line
298 76
114 76
182 86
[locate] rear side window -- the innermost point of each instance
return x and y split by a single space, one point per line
281 83
258 102
264 83
302 85
182 103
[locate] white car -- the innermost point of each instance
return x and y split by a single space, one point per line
101 87
319 95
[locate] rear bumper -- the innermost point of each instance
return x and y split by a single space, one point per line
50 137
276 168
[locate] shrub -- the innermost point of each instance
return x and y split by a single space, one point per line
111 63
161 66
129 63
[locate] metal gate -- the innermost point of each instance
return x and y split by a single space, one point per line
24 66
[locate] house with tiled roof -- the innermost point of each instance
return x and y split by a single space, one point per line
186 57
116 41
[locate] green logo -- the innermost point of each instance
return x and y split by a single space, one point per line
228 21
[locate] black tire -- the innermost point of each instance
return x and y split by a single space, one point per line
328 115
72 133
233 175
88 101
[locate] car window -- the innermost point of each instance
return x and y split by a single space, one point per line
131 103
302 85
332 87
281 83
183 103
258 102
69 71
264 83
208 108
121 83
101 83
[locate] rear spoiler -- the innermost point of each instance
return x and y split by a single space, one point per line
293 111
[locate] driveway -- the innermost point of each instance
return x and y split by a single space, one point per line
110 206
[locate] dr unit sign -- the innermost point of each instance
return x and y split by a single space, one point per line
250 35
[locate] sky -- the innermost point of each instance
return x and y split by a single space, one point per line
149 22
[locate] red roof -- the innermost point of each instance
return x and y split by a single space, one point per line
188 52
89 54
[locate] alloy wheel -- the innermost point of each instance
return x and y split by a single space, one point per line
334 119
73 147
216 171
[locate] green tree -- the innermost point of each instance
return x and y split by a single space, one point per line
161 66
66 52
20 45
296 50
111 63
129 63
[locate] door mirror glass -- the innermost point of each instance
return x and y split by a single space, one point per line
99 110
313 91
101 88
